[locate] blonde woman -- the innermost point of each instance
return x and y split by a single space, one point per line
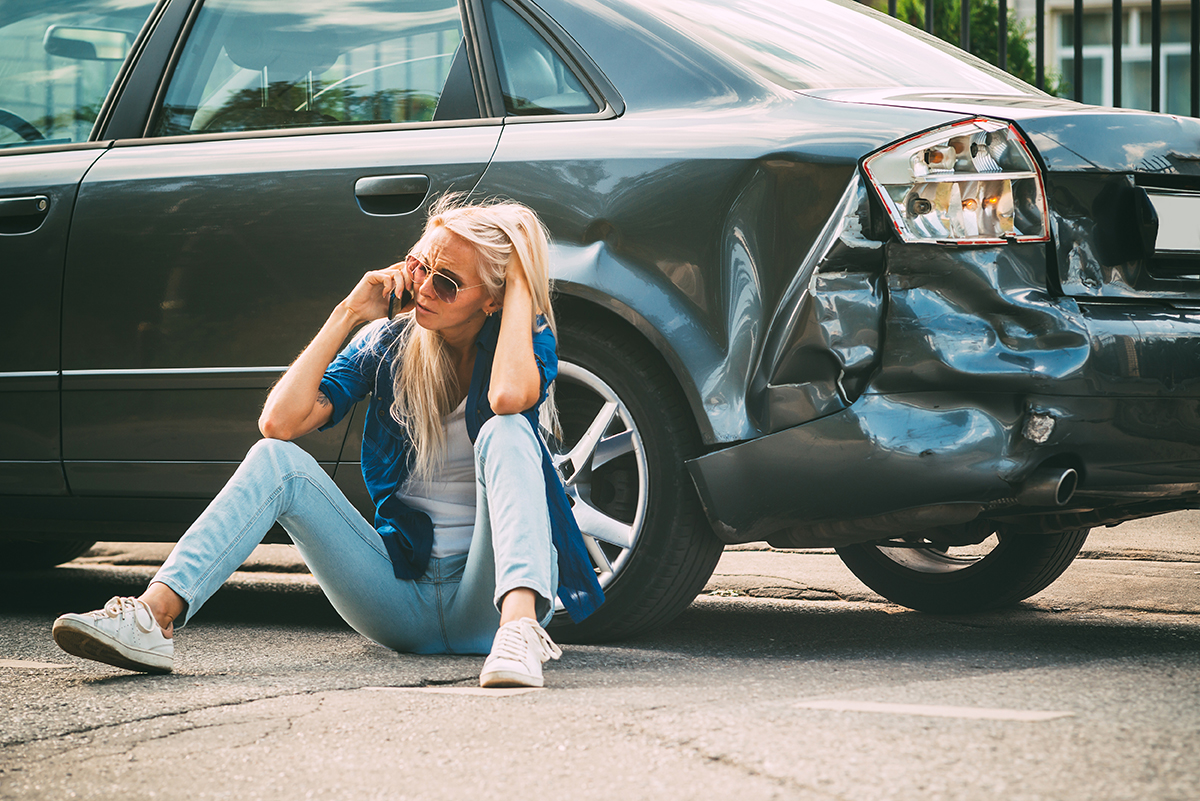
464 556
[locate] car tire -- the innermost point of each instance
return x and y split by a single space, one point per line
918 574
633 480
37 554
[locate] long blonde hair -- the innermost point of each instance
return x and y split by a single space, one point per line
502 233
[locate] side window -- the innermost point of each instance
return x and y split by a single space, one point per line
249 65
57 64
533 77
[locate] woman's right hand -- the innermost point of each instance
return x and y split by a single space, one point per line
372 295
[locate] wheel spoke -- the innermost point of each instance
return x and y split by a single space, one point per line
599 558
581 454
610 448
595 523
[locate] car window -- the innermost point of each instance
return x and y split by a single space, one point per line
57 63
260 64
533 78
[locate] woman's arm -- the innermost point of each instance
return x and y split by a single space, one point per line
295 406
516 382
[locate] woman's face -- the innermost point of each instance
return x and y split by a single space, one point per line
446 253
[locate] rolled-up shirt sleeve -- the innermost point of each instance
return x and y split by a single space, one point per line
545 353
351 375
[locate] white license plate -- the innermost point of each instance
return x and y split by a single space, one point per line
1178 221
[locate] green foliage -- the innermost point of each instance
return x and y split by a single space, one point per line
985 16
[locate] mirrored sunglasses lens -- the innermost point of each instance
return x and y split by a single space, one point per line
446 289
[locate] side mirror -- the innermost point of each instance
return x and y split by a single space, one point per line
87 44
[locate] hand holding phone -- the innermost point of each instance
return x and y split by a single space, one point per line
406 295
406 298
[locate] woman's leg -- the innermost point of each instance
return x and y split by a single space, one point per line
276 480
511 549
280 481
344 552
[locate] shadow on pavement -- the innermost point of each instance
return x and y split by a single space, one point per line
740 628
66 589
712 628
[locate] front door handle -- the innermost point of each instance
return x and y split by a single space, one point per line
22 215
391 194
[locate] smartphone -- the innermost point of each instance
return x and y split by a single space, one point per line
405 299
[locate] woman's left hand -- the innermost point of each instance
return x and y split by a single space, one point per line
516 285
516 381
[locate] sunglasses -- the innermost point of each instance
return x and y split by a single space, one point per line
445 287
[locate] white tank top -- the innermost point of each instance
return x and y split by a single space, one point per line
449 496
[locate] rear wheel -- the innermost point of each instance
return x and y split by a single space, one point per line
626 433
37 554
924 575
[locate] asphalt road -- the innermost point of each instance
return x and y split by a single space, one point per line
787 679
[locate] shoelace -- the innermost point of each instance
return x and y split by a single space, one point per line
513 643
117 607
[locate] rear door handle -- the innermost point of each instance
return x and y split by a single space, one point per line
391 194
23 215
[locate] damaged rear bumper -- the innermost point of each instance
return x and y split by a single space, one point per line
894 464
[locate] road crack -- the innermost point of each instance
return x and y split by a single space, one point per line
61 738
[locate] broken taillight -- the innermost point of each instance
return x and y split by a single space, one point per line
972 182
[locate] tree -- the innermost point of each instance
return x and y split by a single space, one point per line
985 16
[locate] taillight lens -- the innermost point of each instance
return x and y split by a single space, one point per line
973 182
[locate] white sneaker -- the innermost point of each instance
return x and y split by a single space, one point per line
517 655
124 633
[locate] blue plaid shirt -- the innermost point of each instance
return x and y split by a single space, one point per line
364 368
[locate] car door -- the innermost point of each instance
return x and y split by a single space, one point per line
294 147
59 61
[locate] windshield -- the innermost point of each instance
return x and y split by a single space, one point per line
832 44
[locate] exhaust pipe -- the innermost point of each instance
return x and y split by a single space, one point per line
1049 486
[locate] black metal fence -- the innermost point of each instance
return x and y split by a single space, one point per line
1079 86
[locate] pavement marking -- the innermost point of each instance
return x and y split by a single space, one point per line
25 663
932 711
497 692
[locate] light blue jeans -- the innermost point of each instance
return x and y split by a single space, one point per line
453 608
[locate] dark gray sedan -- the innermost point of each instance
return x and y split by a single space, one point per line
822 280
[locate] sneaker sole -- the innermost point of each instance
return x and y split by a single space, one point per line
91 644
509 678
